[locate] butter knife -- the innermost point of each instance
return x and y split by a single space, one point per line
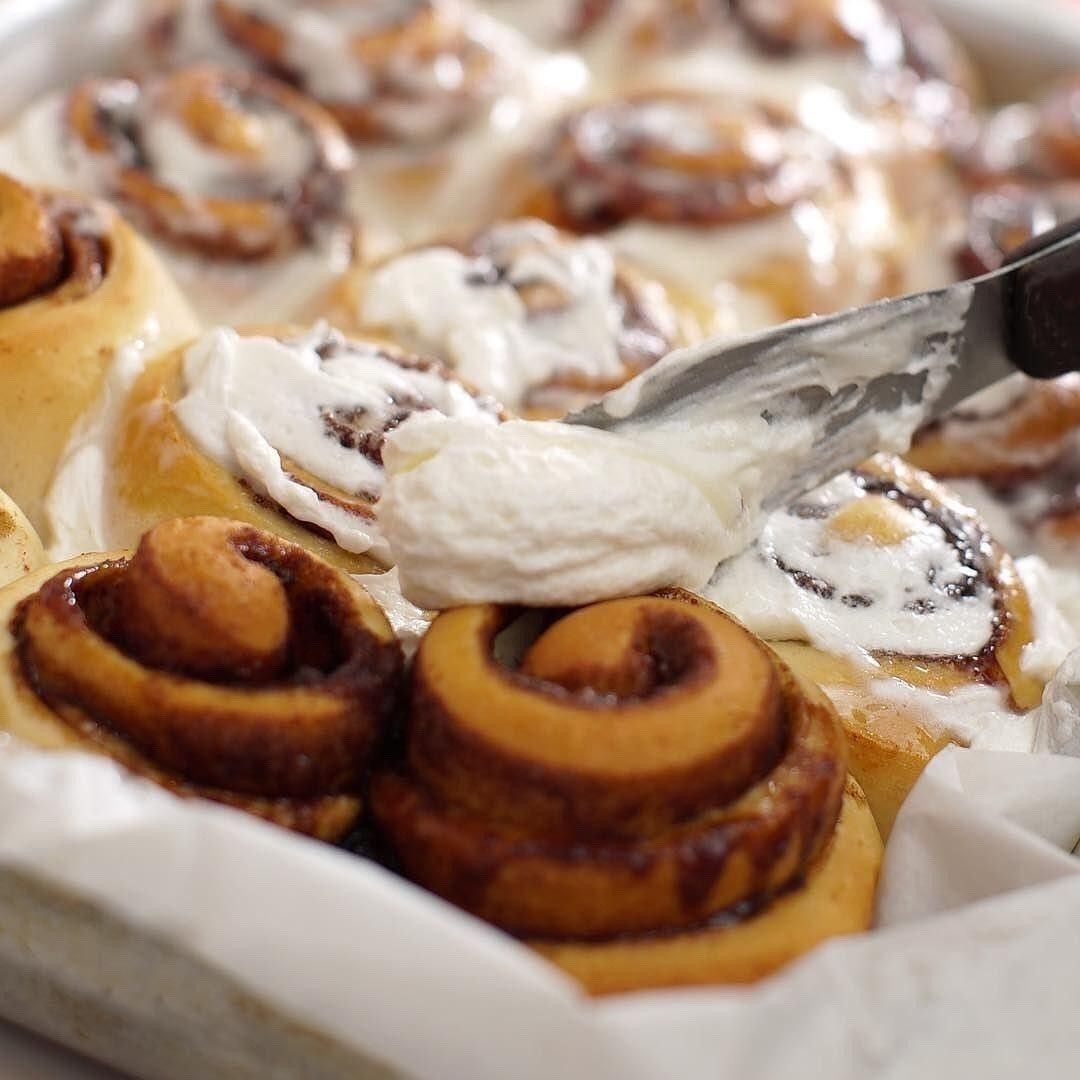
865 380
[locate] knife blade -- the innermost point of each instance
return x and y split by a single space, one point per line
865 380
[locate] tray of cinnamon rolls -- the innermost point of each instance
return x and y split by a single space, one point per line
376 723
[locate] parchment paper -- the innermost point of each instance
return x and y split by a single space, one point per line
975 969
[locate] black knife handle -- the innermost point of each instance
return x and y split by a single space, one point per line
1042 306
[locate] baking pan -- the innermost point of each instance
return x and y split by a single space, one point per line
90 972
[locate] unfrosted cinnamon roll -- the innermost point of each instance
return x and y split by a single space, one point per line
240 179
76 287
890 594
542 320
216 660
650 798
729 196
282 428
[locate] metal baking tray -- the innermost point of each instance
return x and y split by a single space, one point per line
77 974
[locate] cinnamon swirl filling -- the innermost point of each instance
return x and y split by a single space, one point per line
216 659
291 421
397 70
675 157
226 163
50 244
884 561
648 767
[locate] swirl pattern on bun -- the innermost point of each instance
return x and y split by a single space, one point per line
637 794
217 660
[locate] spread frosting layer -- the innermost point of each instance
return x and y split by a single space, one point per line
523 307
811 578
268 410
549 514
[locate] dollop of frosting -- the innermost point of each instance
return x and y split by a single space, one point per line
542 513
267 409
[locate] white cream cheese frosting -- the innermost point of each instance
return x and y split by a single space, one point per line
263 408
474 312
803 580
408 622
1057 719
557 514
542 514
38 151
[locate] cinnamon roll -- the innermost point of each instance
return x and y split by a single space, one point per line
650 798
436 93
240 180
283 429
1035 142
1023 165
889 593
217 660
891 62
542 320
77 286
398 70
734 197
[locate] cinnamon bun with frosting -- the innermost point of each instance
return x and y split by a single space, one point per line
733 197
889 593
890 62
76 287
216 660
240 180
543 320
408 70
281 428
649 798
433 92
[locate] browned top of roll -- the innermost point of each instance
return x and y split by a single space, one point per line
47 240
648 764
225 655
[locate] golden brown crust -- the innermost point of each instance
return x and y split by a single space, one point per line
31 249
291 745
1032 432
649 766
56 345
835 898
